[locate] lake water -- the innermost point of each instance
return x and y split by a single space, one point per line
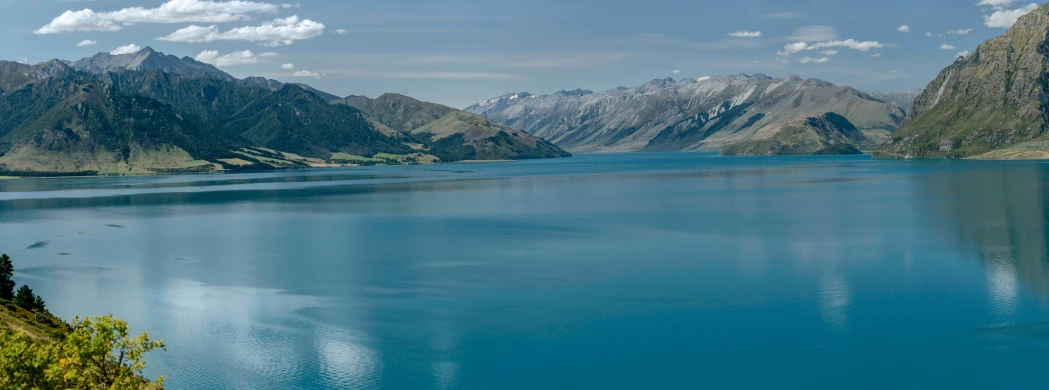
612 272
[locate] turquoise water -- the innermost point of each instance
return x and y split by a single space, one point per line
617 272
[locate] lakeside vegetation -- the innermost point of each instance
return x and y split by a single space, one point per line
40 351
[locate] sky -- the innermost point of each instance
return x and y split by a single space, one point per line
459 52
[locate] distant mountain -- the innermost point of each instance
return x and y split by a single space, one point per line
902 99
168 116
708 113
992 103
480 138
827 134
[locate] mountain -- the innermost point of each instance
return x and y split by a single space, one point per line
480 138
708 113
57 119
73 123
827 134
147 59
902 99
992 103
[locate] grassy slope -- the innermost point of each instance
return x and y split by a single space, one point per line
38 326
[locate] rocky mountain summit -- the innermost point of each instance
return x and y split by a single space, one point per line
707 113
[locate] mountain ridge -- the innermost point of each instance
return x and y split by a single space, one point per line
691 114
152 113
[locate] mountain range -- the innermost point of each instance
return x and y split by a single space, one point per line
147 112
707 113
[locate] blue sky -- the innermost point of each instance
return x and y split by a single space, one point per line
458 52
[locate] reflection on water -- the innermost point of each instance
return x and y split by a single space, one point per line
997 212
624 271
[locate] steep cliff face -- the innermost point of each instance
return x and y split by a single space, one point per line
708 113
995 98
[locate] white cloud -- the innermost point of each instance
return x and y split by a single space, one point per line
963 53
928 34
996 3
128 49
848 43
745 34
814 60
961 31
306 73
341 31
288 66
86 42
813 33
904 28
268 54
273 33
173 11
232 59
947 47
288 5
675 71
829 52
876 55
1005 18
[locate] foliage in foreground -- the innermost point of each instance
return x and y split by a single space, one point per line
40 351
99 353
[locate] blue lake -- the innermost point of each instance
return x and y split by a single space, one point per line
611 271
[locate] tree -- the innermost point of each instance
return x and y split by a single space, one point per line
38 304
25 298
97 354
7 284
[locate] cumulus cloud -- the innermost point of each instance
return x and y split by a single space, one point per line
232 59
341 31
289 5
273 33
675 71
1003 17
963 53
904 28
745 34
306 73
86 42
829 52
961 31
876 55
288 66
128 49
848 44
947 47
814 60
173 11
